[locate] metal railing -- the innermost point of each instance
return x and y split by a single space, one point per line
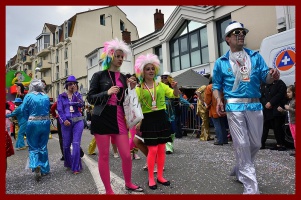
190 121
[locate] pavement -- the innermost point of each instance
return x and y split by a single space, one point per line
195 167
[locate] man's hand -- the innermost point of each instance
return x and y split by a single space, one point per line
268 105
220 108
275 74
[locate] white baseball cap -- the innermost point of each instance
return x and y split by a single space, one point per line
232 26
166 74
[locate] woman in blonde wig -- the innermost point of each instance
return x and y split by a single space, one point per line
154 127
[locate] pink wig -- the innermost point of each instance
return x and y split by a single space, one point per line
109 49
144 60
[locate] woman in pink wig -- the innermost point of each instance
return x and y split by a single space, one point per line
155 127
107 95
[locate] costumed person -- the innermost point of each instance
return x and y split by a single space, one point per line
203 113
108 119
36 110
22 123
69 106
155 127
44 90
238 74
8 122
290 108
20 85
8 141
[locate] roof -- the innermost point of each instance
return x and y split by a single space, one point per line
191 79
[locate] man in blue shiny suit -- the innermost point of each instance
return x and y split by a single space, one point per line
36 109
238 74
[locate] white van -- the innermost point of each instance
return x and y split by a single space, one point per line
278 51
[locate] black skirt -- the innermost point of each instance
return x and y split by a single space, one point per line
155 128
106 123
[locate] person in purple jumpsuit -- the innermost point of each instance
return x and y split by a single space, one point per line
72 125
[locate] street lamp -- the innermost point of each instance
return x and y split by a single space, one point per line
38 69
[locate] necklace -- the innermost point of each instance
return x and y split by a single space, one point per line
70 99
114 85
153 95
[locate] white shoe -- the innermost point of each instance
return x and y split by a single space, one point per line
116 155
136 157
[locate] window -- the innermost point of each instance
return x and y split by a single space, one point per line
158 52
102 20
121 25
57 89
93 61
189 46
56 38
43 42
221 26
66 53
57 72
56 56
66 68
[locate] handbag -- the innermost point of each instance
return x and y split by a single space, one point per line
132 108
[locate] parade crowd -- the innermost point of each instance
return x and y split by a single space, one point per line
243 100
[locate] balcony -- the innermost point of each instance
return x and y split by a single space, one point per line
45 51
44 65
27 60
15 66
60 44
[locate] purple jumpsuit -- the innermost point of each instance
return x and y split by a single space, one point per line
71 134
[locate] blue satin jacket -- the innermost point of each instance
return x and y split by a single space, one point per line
223 80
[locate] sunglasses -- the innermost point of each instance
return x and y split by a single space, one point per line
164 77
238 32
70 84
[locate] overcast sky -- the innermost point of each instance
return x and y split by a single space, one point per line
25 23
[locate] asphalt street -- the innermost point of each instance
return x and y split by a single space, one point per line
195 167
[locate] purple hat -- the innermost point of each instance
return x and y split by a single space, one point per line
71 78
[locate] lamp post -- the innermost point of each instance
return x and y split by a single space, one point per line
37 69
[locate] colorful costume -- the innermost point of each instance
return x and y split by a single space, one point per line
108 121
68 109
36 110
238 74
203 113
155 127
22 122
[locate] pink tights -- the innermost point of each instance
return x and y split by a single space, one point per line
103 145
153 153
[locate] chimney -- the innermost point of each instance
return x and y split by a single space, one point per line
126 36
159 20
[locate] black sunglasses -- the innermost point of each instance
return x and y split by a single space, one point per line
238 32
164 77
70 84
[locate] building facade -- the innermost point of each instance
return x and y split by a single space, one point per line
192 37
60 50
